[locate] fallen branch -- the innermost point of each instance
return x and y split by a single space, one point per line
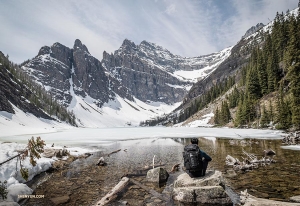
113 193
20 153
147 167
175 168
151 191
114 152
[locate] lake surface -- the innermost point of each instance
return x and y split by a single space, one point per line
277 181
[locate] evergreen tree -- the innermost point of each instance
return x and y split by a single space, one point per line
264 121
217 116
292 60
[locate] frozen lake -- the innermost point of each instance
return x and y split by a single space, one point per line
86 137
142 143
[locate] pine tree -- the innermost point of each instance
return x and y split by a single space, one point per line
217 116
265 119
292 60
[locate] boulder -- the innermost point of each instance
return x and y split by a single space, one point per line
203 190
157 175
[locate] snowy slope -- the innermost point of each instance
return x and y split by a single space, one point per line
198 74
116 113
268 27
11 124
187 69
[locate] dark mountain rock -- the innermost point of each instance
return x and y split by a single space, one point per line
57 67
130 64
253 29
13 91
147 70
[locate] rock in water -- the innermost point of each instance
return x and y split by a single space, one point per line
203 190
157 175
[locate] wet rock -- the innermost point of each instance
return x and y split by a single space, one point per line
295 199
157 175
60 200
203 190
269 152
230 173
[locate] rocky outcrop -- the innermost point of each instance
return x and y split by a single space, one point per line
147 70
202 190
64 70
13 91
253 29
144 81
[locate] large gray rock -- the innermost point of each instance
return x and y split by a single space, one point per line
203 190
157 175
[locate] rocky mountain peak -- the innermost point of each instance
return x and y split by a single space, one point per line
79 46
253 29
128 46
44 50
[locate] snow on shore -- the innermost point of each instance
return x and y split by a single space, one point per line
10 171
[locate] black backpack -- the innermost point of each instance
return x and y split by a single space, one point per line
192 158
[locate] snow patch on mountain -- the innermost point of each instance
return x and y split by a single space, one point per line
196 75
268 27
118 112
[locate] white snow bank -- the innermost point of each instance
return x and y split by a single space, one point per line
10 170
203 122
26 123
291 147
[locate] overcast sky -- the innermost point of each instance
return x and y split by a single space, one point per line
184 27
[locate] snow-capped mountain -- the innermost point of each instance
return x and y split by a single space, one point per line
253 29
135 83
151 72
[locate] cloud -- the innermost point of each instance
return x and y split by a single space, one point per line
171 9
187 28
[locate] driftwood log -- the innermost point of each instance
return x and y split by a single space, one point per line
101 161
148 167
249 162
114 152
112 195
114 192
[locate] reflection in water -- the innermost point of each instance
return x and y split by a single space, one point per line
280 180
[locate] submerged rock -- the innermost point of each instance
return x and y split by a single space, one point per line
157 175
204 190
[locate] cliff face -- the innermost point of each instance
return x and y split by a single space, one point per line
145 71
149 71
64 71
13 91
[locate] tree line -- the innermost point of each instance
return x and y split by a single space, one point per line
273 69
39 96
